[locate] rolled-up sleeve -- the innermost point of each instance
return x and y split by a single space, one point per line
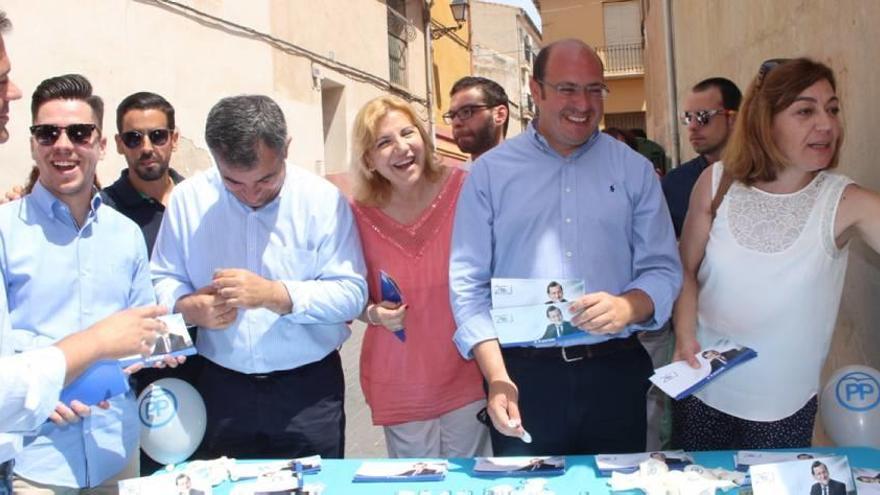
656 263
470 264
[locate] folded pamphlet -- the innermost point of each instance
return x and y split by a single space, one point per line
679 380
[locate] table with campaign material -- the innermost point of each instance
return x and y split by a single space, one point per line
581 475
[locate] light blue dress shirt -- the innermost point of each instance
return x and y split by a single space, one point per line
60 278
305 238
528 212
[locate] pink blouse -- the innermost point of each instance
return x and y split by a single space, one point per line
424 377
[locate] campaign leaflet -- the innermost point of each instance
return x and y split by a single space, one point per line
830 475
433 470
744 459
629 463
867 481
245 470
177 482
534 312
176 342
519 466
679 380
101 381
391 293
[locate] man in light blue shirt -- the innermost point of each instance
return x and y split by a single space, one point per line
266 260
67 261
563 201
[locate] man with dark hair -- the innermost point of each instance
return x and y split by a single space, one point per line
563 200
147 137
62 235
557 327
824 485
479 113
709 113
555 293
266 261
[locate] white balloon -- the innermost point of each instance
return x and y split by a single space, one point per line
850 406
172 415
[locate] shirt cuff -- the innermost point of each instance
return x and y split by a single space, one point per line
476 329
300 299
662 306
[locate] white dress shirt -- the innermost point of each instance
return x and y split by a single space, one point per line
305 238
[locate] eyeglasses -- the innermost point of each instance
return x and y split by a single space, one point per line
48 134
570 90
464 113
702 117
766 67
133 139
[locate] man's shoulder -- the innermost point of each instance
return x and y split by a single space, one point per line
687 171
305 183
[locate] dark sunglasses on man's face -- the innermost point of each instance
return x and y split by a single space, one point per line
133 139
48 134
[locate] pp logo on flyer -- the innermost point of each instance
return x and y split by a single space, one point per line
157 407
858 391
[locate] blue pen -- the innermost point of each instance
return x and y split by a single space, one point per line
391 293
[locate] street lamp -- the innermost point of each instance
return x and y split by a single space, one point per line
459 10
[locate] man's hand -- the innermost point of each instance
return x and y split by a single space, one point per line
503 408
686 350
206 309
66 415
244 289
128 332
603 313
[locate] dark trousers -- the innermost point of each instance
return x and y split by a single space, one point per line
589 406
278 415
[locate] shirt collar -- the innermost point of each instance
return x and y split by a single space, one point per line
541 142
55 208
132 197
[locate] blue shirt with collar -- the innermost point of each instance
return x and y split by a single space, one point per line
305 237
525 211
60 278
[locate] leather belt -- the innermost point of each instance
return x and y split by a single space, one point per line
575 352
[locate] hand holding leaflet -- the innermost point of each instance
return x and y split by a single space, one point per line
391 293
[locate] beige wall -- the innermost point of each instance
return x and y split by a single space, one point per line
124 46
627 95
498 53
452 61
731 39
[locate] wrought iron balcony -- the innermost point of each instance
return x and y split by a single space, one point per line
623 59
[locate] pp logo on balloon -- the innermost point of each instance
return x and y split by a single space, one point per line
158 407
858 391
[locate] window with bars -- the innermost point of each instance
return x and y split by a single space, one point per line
400 33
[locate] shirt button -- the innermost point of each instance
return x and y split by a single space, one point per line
568 254
568 189
568 220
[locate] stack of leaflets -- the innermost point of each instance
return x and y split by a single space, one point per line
519 466
826 476
629 463
867 481
679 380
176 342
401 471
534 312
179 482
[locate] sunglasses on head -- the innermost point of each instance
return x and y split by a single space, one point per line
133 139
48 134
767 66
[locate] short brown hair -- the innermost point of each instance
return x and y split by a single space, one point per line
370 188
751 155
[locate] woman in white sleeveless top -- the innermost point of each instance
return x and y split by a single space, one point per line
764 250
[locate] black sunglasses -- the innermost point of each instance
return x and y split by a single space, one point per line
133 139
48 134
767 66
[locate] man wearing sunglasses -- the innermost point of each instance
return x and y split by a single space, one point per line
67 262
146 138
709 112
564 201
478 113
